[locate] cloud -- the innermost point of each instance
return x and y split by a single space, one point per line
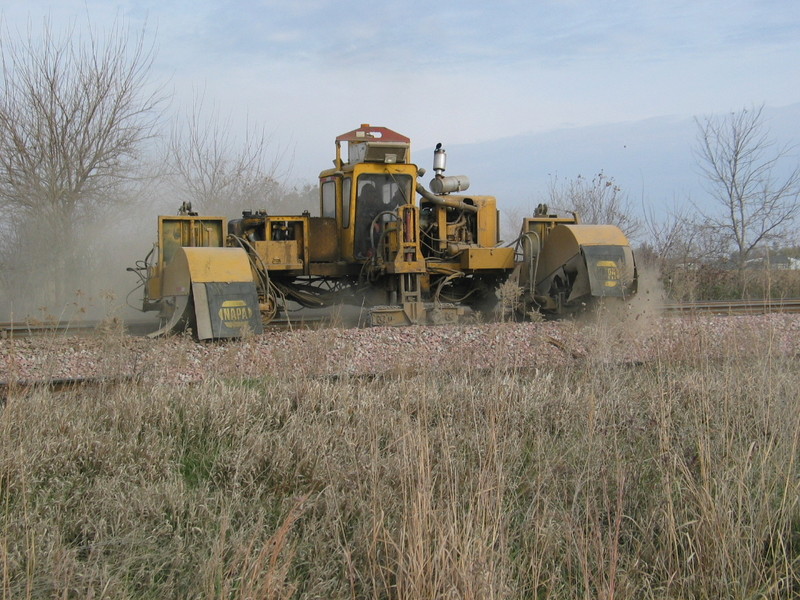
462 71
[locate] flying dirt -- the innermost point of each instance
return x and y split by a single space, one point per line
412 255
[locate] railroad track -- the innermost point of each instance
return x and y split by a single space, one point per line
735 307
27 329
141 328
63 328
10 389
134 328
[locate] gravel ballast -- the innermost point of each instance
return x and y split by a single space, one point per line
381 350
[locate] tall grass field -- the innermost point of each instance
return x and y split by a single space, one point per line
671 478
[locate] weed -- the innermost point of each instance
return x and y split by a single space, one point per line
677 478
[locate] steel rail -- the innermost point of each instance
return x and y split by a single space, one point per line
139 328
27 329
15 388
735 307
16 329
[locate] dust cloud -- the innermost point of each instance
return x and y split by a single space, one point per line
77 274
616 327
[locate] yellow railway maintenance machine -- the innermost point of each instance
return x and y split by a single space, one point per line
382 240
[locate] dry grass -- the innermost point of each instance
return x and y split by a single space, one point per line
677 478
710 283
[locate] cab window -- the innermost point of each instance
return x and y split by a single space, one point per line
379 195
346 185
329 199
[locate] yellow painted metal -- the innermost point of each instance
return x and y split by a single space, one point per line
488 221
402 243
417 313
323 240
218 265
565 241
204 265
154 283
542 225
174 233
178 231
350 173
597 235
285 255
280 243
388 316
487 258
373 226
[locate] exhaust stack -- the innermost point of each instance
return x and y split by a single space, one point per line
441 184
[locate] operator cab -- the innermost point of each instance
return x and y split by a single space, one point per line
363 192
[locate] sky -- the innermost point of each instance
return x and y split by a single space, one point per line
449 71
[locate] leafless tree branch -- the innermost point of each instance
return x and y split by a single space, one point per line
218 172
600 200
75 112
741 165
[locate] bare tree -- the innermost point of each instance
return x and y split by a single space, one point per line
669 237
74 114
600 200
218 172
681 249
741 166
